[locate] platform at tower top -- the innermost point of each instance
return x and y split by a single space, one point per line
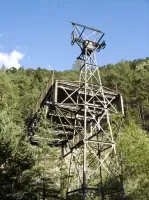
64 101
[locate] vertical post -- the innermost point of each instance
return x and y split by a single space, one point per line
55 92
101 181
52 77
62 185
85 128
122 104
101 175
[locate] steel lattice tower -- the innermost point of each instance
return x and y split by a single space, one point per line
93 146
84 118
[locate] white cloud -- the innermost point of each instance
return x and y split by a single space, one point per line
11 60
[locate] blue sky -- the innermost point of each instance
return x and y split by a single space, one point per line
41 30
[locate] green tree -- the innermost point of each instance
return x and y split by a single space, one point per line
16 157
134 150
47 171
77 65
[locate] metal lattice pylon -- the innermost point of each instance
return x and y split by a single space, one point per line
84 119
92 150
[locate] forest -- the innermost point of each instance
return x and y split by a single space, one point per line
33 173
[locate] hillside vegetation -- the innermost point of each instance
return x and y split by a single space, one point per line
27 172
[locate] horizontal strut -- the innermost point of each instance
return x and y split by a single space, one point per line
87 27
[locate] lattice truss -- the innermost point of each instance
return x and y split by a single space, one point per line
84 118
84 113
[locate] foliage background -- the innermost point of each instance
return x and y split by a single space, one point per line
28 172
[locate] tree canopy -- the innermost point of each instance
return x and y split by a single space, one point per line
31 172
